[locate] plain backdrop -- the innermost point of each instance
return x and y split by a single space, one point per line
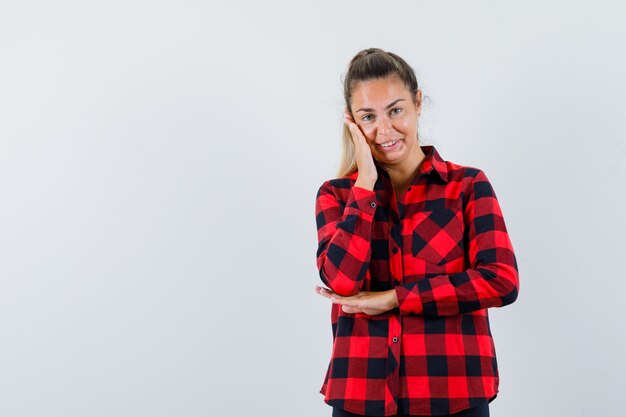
159 162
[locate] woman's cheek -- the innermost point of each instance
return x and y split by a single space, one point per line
403 124
369 133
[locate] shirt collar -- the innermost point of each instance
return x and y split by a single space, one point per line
433 162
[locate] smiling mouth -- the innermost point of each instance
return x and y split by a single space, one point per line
390 143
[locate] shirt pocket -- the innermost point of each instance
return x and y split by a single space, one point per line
437 235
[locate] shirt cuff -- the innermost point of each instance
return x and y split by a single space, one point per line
363 199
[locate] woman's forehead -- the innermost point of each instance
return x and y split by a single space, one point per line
379 91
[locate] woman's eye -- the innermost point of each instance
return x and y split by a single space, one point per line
396 110
366 117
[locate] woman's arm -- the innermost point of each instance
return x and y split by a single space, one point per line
491 281
344 237
493 277
367 302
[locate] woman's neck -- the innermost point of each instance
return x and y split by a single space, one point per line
403 173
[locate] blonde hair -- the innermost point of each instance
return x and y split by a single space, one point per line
370 64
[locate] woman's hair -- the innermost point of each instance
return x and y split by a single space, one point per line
371 63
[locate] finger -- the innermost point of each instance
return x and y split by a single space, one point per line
345 301
323 292
350 310
357 136
348 120
351 125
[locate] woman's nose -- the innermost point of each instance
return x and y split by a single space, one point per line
384 126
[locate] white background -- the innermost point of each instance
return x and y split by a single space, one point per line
158 169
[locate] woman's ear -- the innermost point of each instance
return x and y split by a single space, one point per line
346 112
418 101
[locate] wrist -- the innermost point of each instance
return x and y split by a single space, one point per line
363 183
393 299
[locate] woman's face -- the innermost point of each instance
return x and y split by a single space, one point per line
386 114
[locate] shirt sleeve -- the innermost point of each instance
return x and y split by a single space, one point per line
344 231
493 277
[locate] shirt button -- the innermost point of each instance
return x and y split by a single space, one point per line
396 283
409 189
394 250
373 204
395 339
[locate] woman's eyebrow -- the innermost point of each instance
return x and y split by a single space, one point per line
387 107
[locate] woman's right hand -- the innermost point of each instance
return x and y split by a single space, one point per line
363 155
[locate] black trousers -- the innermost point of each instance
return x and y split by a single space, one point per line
478 411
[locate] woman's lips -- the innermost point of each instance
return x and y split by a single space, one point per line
391 147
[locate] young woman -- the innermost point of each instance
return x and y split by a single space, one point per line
413 250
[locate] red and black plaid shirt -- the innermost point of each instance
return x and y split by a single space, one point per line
445 250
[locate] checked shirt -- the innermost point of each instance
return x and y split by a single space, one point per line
444 248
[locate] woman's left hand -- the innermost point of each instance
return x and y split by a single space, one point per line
368 302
